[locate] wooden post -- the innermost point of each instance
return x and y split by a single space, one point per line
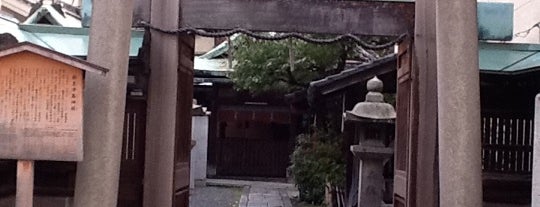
460 164
162 102
425 108
25 183
230 53
536 155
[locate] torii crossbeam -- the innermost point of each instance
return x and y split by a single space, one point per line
325 17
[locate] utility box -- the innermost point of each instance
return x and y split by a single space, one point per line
199 132
41 103
495 21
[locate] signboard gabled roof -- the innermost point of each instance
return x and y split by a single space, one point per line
51 54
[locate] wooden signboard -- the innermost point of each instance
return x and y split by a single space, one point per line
41 109
41 104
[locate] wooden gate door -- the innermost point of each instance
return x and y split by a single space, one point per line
132 165
253 147
184 103
405 160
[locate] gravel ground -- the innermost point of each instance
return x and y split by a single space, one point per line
211 196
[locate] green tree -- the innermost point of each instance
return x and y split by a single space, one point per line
266 65
261 65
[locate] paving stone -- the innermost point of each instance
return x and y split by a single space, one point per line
209 196
270 197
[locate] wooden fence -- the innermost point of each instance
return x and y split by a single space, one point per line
253 157
507 144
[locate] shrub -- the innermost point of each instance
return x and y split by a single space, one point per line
317 160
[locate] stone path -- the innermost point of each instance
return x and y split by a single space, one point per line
213 196
260 194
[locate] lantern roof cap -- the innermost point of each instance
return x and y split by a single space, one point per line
374 106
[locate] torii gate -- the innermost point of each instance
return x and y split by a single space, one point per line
166 181
324 17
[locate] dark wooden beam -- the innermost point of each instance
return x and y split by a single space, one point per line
424 182
351 77
314 16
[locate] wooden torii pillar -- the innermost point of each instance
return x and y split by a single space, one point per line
168 132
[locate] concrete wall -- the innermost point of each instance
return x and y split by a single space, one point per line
73 2
20 9
203 44
526 14
536 155
15 8
199 152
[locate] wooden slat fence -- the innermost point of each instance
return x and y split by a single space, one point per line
507 144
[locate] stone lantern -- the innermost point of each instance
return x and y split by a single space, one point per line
373 121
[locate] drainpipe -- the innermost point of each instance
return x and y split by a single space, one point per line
86 13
